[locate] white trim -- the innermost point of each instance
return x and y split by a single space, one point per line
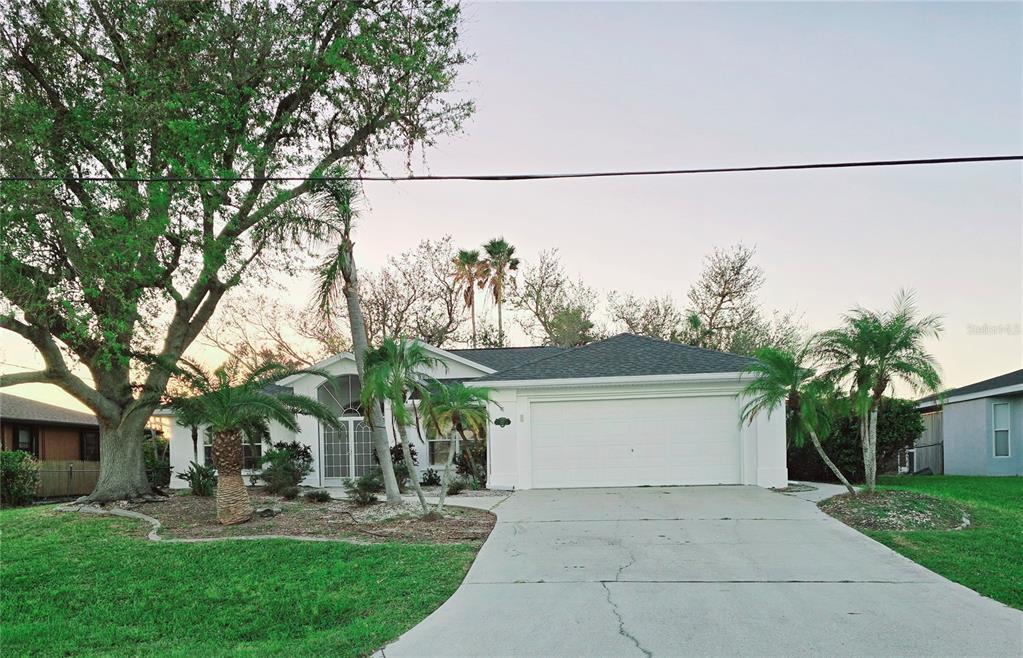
1007 429
988 393
329 361
737 377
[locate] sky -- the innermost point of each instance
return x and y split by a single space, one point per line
614 86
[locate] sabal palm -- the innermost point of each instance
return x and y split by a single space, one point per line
456 408
470 273
232 408
500 261
870 352
785 379
394 371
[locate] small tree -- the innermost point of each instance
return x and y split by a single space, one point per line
784 380
455 408
870 351
469 274
500 264
394 371
233 408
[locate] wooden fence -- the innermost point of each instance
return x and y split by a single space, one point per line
61 478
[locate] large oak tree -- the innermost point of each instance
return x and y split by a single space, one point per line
122 276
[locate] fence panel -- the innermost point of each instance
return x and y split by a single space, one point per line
66 478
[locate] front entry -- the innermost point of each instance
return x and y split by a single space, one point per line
347 451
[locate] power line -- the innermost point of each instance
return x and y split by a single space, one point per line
524 177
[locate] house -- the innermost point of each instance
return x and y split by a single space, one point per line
976 429
624 411
49 432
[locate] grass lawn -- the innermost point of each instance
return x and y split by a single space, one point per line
73 584
988 555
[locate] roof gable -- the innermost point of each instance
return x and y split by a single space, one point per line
1014 378
13 407
503 358
625 355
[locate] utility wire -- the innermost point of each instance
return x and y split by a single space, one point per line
524 177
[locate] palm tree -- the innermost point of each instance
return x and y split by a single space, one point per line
456 407
232 409
470 273
870 352
500 262
783 378
394 372
338 276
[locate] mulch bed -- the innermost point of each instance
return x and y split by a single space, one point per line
898 511
190 517
794 488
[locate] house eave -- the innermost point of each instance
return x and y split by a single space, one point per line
976 395
715 377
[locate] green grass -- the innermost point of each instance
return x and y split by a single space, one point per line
987 556
91 586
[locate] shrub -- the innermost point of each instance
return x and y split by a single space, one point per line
156 452
398 460
318 496
898 425
478 449
289 493
431 478
475 484
284 465
202 480
363 490
19 476
456 486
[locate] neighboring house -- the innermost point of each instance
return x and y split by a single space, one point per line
978 427
625 411
49 432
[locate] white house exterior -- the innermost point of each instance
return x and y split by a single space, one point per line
625 411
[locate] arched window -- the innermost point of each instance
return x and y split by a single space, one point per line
344 397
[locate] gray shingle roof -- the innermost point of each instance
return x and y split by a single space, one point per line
625 355
13 407
503 358
1008 379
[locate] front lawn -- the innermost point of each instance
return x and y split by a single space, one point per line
987 556
74 584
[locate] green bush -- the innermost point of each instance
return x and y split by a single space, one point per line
284 465
19 476
363 490
156 452
478 449
456 486
318 496
289 493
202 480
401 473
898 426
431 478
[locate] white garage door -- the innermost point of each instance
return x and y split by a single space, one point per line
634 442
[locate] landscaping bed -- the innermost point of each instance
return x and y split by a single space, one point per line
185 516
897 511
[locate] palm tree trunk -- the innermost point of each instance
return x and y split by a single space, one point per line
472 316
233 504
407 454
870 452
467 451
360 345
446 478
830 464
500 324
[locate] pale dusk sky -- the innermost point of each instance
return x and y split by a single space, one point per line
612 86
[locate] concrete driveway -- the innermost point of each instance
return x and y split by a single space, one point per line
699 571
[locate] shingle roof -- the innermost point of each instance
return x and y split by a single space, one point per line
1008 379
13 407
503 358
625 355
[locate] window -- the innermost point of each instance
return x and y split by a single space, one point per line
252 451
343 396
439 449
90 446
1000 413
25 439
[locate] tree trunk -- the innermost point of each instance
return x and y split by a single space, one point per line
500 325
233 504
472 315
830 464
870 452
122 466
360 345
407 454
195 443
446 478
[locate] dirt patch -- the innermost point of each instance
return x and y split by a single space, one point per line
465 493
794 488
897 511
189 517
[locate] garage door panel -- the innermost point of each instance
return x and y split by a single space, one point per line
632 442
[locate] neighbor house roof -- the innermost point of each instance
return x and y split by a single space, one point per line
13 407
1009 379
625 355
503 358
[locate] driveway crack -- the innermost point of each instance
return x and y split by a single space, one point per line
621 623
